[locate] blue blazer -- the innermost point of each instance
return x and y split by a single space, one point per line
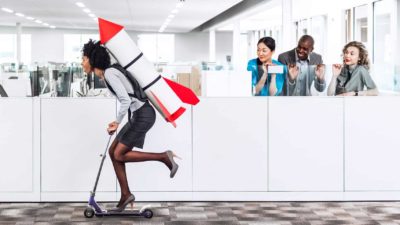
252 66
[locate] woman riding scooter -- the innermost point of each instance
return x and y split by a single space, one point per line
132 135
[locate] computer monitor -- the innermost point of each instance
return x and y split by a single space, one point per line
62 84
3 92
95 82
55 74
98 83
35 83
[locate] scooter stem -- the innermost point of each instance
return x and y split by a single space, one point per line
93 193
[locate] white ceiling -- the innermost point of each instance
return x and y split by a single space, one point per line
139 15
266 15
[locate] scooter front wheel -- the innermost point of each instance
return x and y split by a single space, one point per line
89 212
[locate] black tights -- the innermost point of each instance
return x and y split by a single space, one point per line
121 154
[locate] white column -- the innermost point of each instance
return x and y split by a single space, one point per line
19 33
251 45
212 49
335 30
236 45
288 40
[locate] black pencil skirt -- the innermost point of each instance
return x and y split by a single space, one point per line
134 132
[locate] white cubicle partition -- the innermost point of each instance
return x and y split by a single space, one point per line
214 83
20 87
306 144
248 148
230 145
73 135
16 146
239 83
145 178
372 151
226 83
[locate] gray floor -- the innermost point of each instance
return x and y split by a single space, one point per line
202 213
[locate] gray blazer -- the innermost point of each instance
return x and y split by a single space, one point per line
289 57
354 80
301 87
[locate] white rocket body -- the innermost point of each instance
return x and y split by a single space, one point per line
125 50
166 95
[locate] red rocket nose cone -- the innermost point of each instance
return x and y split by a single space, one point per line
108 30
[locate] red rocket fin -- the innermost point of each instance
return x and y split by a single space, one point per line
170 118
108 30
185 94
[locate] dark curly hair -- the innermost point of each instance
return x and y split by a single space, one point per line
97 54
363 55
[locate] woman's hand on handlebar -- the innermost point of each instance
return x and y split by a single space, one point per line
112 127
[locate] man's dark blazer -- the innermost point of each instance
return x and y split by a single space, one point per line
289 57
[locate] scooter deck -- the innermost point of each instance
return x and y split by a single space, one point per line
123 213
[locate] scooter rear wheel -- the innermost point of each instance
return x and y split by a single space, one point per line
147 213
89 212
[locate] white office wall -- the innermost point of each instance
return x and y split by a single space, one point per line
309 8
48 44
191 46
223 46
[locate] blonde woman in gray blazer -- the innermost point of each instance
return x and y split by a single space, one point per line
352 77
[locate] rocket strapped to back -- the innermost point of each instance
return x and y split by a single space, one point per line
166 95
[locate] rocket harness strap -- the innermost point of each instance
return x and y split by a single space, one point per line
138 92
141 96
136 59
133 61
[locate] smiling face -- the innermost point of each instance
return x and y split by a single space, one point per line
351 56
87 68
264 53
304 48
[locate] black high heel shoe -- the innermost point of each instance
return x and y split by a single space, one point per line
175 166
122 207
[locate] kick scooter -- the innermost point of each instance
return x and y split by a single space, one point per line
93 209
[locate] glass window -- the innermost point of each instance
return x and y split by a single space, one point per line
7 46
384 40
361 24
349 25
319 32
316 27
302 28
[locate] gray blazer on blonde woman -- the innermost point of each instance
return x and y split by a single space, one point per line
355 79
